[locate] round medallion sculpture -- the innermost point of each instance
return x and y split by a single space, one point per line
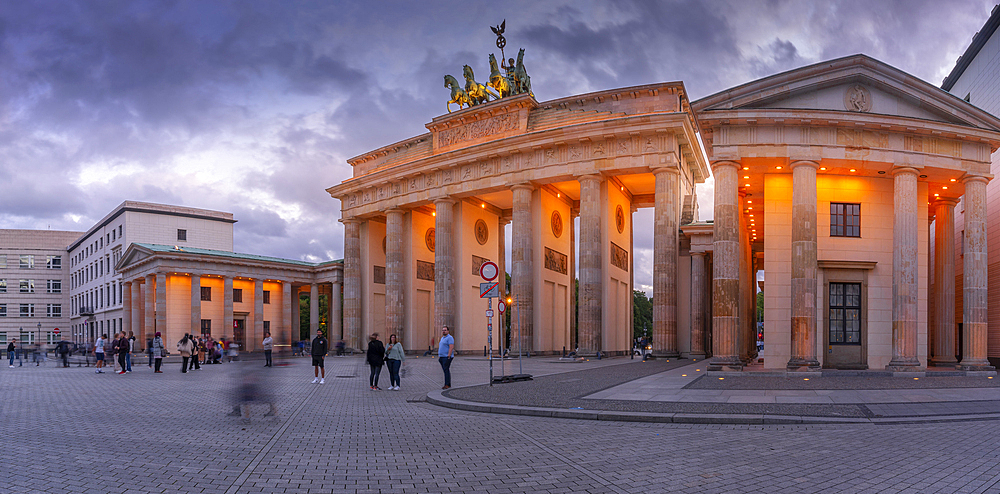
482 232
620 219
429 239
556 224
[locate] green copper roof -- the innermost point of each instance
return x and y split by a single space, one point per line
231 255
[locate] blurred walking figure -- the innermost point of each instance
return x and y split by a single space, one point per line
394 358
252 386
128 354
196 351
376 357
268 345
149 350
319 349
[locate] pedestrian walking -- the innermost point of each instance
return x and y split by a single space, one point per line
340 348
11 351
185 347
202 349
446 353
376 358
157 351
128 354
319 349
62 348
197 350
149 351
123 346
268 345
394 358
99 353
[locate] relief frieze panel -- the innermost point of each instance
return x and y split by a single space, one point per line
497 124
619 257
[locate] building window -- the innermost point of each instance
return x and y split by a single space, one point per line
53 262
53 286
206 293
267 326
27 310
3 310
237 295
53 310
206 326
845 313
182 235
113 232
267 296
27 261
845 220
3 286
3 261
119 230
27 286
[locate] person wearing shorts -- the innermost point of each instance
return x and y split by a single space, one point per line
319 349
99 353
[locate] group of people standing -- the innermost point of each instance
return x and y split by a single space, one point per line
379 355
121 347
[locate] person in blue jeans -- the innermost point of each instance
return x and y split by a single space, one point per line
11 350
446 353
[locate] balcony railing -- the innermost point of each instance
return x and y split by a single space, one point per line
86 311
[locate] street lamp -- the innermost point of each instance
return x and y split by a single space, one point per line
20 334
38 344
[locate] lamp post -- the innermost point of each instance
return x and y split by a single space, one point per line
38 345
20 352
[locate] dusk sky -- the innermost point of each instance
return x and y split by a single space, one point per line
254 107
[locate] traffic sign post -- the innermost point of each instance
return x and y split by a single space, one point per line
489 271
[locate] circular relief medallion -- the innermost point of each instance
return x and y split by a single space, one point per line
620 219
429 239
858 98
482 232
557 224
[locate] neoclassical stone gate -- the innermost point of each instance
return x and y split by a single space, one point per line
421 215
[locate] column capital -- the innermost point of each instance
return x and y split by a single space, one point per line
394 211
522 186
351 220
974 178
443 200
944 201
672 169
798 163
700 253
590 177
896 170
721 163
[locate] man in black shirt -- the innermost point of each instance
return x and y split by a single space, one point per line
319 349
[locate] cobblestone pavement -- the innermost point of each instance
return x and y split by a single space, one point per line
71 430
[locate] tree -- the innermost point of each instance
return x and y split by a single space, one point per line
642 313
324 315
760 306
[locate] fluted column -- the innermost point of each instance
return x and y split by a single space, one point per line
573 322
352 284
227 308
313 310
502 264
697 305
804 267
444 266
395 273
127 307
149 311
726 269
161 304
904 271
591 275
258 313
665 263
195 304
286 315
336 312
944 282
137 314
296 314
975 279
521 255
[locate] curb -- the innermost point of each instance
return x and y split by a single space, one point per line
437 397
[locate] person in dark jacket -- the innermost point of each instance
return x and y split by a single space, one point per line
123 347
319 349
376 357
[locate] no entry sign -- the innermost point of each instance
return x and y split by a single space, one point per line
489 271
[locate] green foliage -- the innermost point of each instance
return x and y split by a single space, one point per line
324 315
642 314
760 306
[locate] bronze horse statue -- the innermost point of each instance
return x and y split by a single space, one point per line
522 82
458 95
477 92
497 80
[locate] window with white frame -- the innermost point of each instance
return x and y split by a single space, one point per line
3 310
27 261
3 286
27 310
53 262
53 286
27 286
53 310
3 261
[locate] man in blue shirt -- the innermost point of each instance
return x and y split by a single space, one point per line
446 353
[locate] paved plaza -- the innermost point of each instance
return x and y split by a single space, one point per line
71 430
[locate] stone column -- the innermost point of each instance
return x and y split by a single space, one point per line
804 267
352 284
314 310
975 279
149 311
395 273
726 269
336 313
521 279
502 264
137 314
227 308
904 272
665 263
697 305
127 308
258 312
931 286
161 305
444 266
944 282
286 335
195 304
296 314
589 321
573 319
